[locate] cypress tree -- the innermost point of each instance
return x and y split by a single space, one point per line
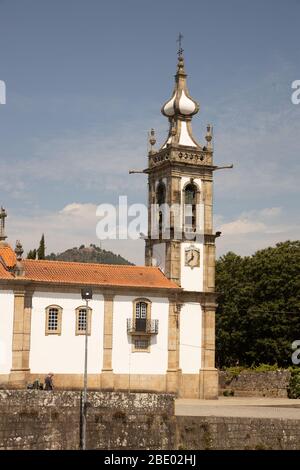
31 254
41 248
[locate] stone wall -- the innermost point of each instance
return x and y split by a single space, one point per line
248 383
32 419
228 433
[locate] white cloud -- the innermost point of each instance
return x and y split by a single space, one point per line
242 226
255 221
254 230
271 211
73 225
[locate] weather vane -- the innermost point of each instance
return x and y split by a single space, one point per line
180 50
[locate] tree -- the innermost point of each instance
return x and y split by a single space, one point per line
41 249
31 254
258 316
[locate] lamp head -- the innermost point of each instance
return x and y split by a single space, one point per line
86 293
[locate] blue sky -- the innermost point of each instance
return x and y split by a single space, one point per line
86 80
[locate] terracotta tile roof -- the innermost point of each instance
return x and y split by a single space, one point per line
8 255
4 274
58 272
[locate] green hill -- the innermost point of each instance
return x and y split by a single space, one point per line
88 254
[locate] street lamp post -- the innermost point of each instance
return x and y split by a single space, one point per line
86 294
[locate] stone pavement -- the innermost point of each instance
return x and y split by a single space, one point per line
247 407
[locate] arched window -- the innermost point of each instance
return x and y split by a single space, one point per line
83 320
190 207
161 193
53 320
141 311
160 200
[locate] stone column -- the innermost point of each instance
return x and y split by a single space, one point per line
208 372
173 371
208 205
107 379
209 250
21 339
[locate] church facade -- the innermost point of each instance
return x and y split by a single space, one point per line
150 328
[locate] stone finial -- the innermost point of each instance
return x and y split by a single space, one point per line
180 66
3 215
19 250
19 270
208 136
152 140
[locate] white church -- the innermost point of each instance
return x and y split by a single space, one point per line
150 328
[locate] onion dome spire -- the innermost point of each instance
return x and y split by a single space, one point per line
180 109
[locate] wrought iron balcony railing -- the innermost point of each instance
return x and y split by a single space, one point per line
142 327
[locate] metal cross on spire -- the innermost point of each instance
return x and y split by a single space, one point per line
180 50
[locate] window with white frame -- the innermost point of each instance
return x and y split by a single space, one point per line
141 310
141 325
53 320
83 320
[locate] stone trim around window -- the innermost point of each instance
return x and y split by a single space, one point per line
53 319
139 339
141 344
196 224
146 301
79 331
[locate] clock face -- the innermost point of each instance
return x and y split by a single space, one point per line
192 257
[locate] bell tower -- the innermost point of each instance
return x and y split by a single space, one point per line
180 205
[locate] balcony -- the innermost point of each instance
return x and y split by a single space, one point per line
142 327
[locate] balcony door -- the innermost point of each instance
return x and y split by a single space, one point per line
141 316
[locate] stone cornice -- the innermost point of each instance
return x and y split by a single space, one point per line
31 286
204 298
181 155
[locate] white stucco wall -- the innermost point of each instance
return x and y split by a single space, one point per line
6 330
124 361
190 338
65 353
184 138
192 278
